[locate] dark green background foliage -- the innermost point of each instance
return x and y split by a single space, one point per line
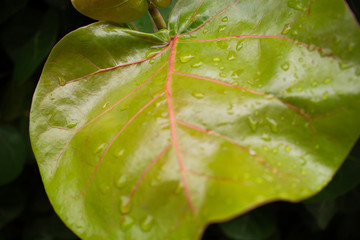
28 31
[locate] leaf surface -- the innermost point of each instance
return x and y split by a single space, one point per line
154 136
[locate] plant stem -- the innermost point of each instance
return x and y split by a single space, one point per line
156 16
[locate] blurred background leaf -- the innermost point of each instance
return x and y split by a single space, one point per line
12 154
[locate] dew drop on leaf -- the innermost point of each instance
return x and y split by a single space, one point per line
273 124
221 28
147 223
296 4
216 59
124 107
197 65
237 73
266 137
124 206
127 222
287 28
288 148
325 96
275 151
327 80
100 148
205 30
105 105
225 19
197 94
285 66
223 75
252 124
252 152
239 45
344 66
62 81
186 58
232 55
314 83
120 182
152 61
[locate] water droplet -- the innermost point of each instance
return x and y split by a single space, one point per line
197 94
296 4
100 148
221 28
151 52
71 123
327 80
303 173
222 75
294 32
124 107
265 137
222 68
344 66
230 109
288 148
186 58
124 206
299 89
62 81
237 73
222 44
252 123
197 65
301 59
252 152
205 30
285 66
286 29
120 182
275 151
147 223
314 83
232 55
239 45
105 105
127 222
216 59
265 148
325 96
225 19
273 124
152 61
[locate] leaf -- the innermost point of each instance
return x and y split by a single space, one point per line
139 136
34 39
12 154
257 225
323 212
346 179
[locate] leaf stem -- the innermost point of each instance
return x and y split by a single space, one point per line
156 16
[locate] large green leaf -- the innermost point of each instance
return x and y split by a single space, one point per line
154 136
